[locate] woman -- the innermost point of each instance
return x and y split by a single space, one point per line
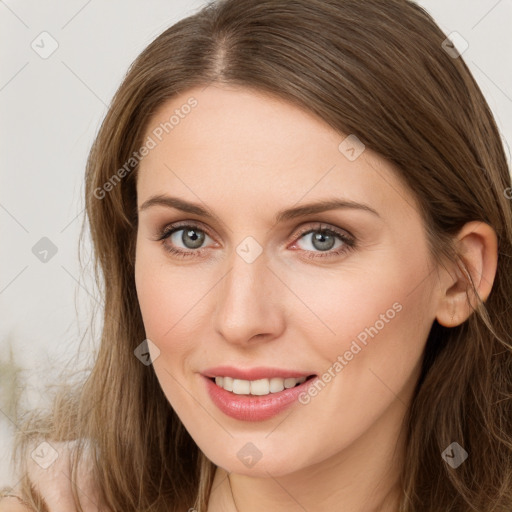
301 219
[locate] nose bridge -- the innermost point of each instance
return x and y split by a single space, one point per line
246 304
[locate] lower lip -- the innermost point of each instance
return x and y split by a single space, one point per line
253 407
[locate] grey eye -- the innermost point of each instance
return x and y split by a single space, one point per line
321 240
191 238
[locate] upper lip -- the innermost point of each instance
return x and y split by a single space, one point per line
256 373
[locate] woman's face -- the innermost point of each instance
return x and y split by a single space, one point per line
266 286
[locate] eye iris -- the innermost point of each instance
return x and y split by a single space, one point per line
320 237
196 236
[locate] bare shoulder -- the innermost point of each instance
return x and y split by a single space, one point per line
11 504
49 471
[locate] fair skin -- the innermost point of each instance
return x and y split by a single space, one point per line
53 483
12 505
246 156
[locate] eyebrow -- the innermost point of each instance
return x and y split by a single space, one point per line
283 215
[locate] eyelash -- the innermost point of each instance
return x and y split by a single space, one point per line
348 241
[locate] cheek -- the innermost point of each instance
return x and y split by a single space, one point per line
369 330
154 295
377 293
165 299
173 302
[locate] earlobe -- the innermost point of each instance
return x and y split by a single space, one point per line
477 246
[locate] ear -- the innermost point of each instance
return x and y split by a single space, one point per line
477 246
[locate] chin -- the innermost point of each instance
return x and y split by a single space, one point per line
259 459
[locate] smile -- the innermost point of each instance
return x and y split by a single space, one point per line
258 387
257 399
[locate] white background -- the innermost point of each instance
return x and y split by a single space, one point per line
50 111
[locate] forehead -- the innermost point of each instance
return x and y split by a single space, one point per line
219 143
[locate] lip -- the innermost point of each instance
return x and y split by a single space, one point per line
253 407
256 373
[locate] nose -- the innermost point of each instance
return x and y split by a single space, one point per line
250 302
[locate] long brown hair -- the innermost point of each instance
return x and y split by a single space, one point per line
374 68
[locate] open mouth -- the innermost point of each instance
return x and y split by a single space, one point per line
259 399
259 387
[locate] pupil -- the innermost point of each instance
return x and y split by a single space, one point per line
196 237
320 238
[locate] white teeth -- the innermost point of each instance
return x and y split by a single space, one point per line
228 383
241 387
276 385
289 383
257 387
260 387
